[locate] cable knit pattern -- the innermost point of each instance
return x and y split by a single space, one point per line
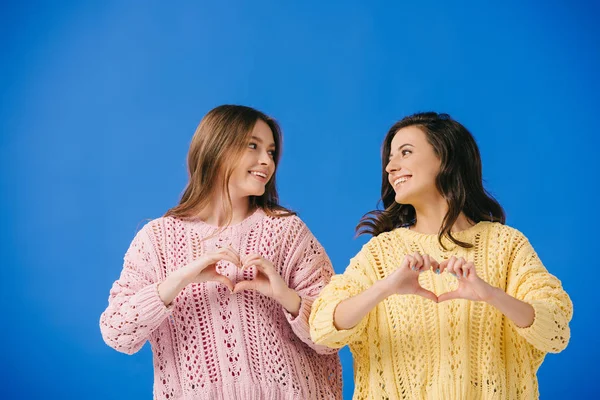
209 343
409 347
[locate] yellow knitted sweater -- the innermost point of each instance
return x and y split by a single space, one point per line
409 347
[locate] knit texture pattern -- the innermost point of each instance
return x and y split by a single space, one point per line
409 347
209 343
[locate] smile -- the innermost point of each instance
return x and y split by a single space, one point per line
401 180
261 176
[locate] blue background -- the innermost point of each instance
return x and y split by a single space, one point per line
99 101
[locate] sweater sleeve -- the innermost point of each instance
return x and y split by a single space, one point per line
134 309
529 281
310 271
352 282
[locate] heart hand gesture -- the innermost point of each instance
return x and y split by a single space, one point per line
470 285
405 279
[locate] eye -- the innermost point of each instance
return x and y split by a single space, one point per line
252 146
405 152
271 153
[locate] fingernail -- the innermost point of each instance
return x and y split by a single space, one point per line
464 274
437 271
453 274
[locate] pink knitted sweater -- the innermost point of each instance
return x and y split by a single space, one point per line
209 343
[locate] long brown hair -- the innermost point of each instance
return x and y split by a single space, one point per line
219 141
459 181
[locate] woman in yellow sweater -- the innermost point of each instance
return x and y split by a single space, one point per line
445 301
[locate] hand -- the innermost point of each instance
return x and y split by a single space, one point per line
267 280
405 279
204 269
470 285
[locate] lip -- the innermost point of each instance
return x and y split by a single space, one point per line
396 180
260 178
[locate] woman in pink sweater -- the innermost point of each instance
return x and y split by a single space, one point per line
222 285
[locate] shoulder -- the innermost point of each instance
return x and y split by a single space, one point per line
376 245
504 233
397 235
157 228
285 223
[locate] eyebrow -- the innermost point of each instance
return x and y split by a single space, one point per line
401 147
260 141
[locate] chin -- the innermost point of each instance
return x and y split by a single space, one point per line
402 199
255 192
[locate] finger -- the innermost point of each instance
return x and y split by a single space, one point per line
420 262
454 295
250 260
411 262
228 257
435 266
405 262
426 262
469 270
443 266
450 266
224 281
458 267
229 250
266 267
249 256
427 294
244 285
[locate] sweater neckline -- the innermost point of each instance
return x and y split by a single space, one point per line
471 231
245 223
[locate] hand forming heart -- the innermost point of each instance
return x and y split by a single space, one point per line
405 279
204 269
470 285
267 280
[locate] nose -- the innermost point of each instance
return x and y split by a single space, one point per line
265 158
392 165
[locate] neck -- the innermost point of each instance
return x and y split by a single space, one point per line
215 213
430 216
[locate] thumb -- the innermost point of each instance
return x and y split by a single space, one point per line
225 281
449 296
427 294
243 285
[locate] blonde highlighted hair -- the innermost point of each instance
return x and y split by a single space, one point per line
219 141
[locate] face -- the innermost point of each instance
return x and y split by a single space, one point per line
413 166
256 165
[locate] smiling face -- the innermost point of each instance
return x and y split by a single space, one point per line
412 167
256 165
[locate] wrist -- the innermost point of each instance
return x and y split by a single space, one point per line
494 295
177 280
290 300
383 289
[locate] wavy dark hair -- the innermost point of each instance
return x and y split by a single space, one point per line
459 181
218 143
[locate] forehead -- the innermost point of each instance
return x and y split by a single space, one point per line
262 131
411 135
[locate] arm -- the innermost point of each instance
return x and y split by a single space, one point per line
531 283
344 287
340 314
403 280
350 312
135 309
310 271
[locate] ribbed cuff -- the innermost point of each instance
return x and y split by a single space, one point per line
544 333
150 307
324 332
299 323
